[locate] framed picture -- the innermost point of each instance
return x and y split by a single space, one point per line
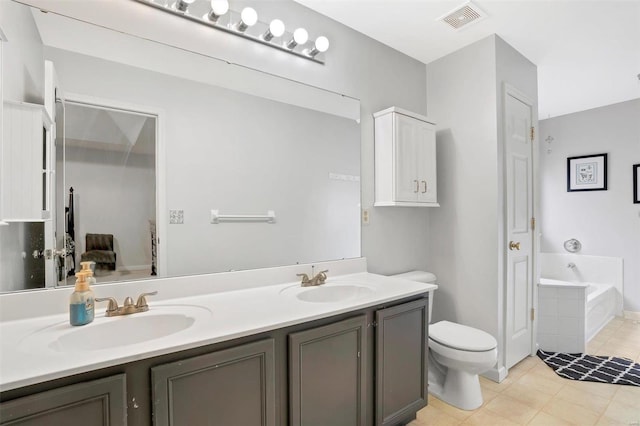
636 182
587 173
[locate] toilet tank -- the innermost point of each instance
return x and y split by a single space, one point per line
421 277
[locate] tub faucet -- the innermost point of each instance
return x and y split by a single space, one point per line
571 265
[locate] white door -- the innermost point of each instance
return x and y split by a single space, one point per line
519 234
55 272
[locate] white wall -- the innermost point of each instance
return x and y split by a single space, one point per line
607 223
464 98
355 65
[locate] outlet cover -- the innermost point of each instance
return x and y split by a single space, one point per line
176 217
365 216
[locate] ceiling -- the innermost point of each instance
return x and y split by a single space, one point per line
587 52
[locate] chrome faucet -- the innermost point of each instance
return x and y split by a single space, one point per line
128 307
317 279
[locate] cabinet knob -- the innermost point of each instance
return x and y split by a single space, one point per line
417 187
424 182
514 246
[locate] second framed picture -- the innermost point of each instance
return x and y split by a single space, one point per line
587 173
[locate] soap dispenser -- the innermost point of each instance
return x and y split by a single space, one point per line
81 303
87 267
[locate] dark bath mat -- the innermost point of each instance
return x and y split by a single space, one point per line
604 369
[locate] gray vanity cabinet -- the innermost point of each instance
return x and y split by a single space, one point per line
229 387
327 374
96 403
401 362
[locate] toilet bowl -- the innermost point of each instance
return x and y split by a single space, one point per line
457 354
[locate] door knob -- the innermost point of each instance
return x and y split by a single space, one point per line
514 246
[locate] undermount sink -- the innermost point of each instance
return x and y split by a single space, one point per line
329 292
113 332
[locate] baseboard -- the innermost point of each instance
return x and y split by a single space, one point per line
632 315
495 374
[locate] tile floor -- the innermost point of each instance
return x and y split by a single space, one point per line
533 394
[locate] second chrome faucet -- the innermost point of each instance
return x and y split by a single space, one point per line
128 307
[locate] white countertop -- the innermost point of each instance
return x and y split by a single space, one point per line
25 360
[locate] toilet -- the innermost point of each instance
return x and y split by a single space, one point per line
457 354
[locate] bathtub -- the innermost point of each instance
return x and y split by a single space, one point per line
593 302
577 296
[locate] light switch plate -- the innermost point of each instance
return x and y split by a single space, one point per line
176 217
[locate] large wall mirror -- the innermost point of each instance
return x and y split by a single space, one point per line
151 172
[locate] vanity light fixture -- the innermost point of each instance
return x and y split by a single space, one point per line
218 14
218 8
300 36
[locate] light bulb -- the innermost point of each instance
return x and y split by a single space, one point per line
300 36
248 18
321 45
218 8
276 29
182 5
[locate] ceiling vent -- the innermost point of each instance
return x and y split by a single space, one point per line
463 16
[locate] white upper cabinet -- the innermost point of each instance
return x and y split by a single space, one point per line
26 164
405 159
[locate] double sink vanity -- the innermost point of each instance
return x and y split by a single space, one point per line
238 348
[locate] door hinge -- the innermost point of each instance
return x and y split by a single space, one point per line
533 223
533 133
533 314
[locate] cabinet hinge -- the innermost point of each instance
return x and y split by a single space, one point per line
533 132
533 314
533 223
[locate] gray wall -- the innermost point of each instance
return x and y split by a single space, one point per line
396 239
606 222
114 193
464 94
23 66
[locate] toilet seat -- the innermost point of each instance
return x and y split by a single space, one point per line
460 337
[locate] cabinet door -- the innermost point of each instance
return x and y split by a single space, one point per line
407 181
95 403
327 374
401 362
25 165
425 152
229 387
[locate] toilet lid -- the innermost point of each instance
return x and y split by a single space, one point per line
461 337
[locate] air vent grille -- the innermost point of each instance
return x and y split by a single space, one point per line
463 16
